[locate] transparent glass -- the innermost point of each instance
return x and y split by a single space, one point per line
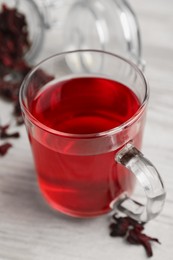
88 172
105 25
61 25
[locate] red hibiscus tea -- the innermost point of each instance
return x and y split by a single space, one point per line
74 182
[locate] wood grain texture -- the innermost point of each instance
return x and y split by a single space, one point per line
30 230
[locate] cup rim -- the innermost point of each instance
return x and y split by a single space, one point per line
109 132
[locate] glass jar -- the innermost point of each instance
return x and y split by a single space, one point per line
59 25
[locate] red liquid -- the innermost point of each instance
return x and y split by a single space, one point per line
82 185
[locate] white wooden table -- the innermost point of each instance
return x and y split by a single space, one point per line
30 230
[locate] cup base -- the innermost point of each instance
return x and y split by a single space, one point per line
73 213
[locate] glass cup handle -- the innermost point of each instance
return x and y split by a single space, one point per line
148 176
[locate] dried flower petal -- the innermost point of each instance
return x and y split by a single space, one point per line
131 230
119 227
138 238
4 148
4 134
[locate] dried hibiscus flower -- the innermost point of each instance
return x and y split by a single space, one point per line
136 237
131 230
13 37
4 148
14 43
4 134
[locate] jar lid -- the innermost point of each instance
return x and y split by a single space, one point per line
104 25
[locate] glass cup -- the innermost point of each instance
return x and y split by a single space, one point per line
85 112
